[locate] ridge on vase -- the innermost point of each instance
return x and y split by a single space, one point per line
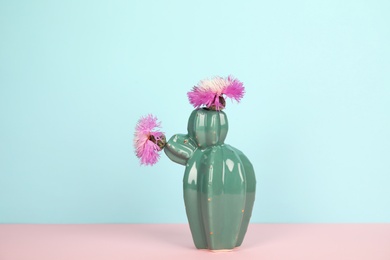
219 181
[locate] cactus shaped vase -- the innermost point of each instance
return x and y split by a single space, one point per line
219 181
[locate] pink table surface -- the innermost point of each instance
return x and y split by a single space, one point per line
173 241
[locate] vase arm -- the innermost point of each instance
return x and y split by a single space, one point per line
180 148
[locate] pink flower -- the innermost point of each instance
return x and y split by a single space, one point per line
148 140
209 92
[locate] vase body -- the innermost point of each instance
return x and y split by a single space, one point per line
219 181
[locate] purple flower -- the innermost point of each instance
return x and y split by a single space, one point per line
148 140
211 92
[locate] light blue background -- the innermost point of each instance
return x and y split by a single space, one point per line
75 76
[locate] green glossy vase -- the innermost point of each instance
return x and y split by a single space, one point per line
219 181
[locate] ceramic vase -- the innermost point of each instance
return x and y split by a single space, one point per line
219 181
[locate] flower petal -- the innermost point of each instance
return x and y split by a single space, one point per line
235 89
208 91
146 150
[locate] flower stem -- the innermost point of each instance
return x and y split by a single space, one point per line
160 142
221 100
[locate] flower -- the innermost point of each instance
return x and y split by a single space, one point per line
148 140
211 92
